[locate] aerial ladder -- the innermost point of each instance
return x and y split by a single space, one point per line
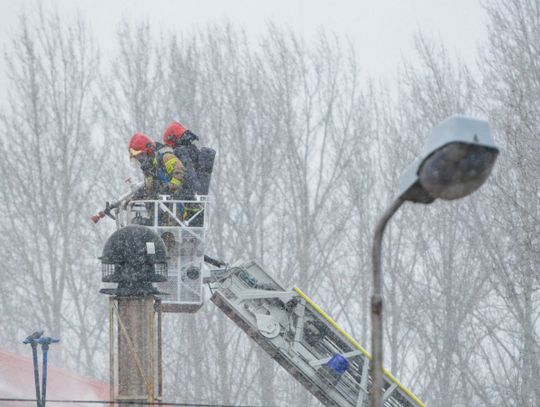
287 324
302 338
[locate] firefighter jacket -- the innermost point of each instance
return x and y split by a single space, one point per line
163 174
189 155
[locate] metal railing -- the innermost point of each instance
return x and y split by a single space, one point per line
182 226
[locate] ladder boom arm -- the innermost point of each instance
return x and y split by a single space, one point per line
303 339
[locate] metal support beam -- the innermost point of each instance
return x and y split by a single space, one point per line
299 329
111 349
363 383
389 391
266 294
157 306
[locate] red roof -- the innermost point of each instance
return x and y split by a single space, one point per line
17 381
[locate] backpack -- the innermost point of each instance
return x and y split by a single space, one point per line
198 167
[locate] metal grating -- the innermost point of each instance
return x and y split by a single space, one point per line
161 269
107 270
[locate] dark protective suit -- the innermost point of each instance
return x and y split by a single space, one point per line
189 155
198 165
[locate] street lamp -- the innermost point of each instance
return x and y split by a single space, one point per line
457 158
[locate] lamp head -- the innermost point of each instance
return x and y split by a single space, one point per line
456 170
457 158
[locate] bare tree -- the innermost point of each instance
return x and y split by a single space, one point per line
49 174
511 348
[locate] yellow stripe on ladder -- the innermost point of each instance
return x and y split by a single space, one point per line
356 344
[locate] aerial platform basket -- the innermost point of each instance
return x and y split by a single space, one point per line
181 225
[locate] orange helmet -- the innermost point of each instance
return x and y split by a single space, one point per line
174 132
141 143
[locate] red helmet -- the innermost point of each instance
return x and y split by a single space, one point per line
141 143
174 133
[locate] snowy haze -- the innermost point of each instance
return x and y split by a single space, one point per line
309 153
381 31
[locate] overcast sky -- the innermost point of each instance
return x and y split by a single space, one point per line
381 30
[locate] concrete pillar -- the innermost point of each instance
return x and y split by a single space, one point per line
135 353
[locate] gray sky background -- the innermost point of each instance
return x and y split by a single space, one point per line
381 30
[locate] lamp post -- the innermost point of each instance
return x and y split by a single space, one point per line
457 158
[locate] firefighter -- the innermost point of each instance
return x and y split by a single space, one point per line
163 171
181 140
198 164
